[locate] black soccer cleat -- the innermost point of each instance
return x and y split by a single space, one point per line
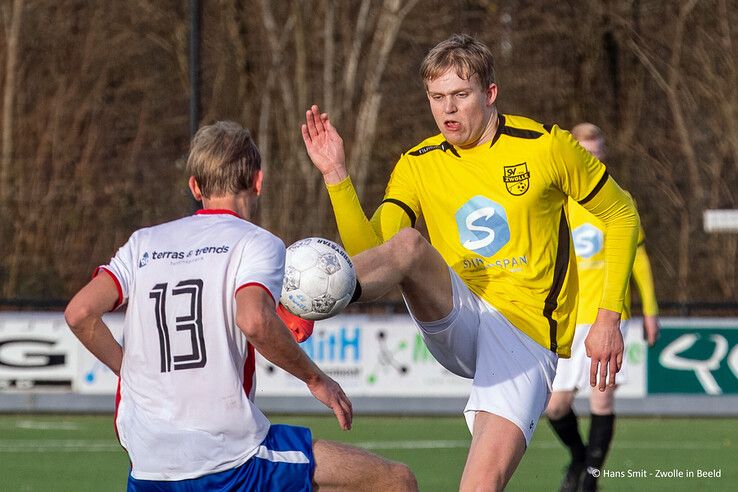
589 481
573 477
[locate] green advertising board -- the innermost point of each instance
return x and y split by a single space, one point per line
699 359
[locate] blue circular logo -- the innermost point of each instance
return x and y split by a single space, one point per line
483 226
588 240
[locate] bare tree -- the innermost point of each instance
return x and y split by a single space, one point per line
11 68
100 97
697 73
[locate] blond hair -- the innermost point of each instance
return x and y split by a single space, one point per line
587 131
462 53
223 159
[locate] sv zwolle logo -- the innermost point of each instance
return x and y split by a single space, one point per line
516 178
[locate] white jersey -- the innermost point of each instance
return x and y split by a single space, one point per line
187 380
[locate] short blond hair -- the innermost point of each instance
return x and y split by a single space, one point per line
587 131
462 53
223 159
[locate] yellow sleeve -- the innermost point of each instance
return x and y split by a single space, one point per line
388 219
357 232
643 279
578 173
616 208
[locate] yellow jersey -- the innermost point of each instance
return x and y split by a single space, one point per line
588 233
497 215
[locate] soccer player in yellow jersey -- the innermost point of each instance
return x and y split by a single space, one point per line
571 374
494 292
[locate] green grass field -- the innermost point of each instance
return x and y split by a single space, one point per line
80 453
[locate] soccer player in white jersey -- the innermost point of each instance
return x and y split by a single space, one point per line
201 294
571 374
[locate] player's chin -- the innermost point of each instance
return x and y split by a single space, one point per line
455 138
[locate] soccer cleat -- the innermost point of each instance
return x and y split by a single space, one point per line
573 477
589 481
301 329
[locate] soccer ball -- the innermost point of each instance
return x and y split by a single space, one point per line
319 279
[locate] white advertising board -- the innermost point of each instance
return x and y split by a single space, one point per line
37 352
367 355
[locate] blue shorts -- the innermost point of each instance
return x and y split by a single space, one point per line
284 462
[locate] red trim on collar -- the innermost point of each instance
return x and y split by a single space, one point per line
216 211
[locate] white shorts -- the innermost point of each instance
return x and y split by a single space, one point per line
573 374
512 373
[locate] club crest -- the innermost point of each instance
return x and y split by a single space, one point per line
516 178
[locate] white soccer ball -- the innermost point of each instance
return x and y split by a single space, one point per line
319 279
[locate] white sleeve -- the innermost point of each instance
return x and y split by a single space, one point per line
121 269
262 263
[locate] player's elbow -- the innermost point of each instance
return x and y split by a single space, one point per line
77 314
254 323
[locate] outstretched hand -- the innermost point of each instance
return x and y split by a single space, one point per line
324 145
331 395
604 346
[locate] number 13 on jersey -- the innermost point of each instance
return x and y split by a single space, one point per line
190 321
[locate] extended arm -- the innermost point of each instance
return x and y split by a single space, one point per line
643 279
604 343
84 317
357 232
256 317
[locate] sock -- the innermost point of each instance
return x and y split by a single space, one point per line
567 429
600 436
357 292
301 329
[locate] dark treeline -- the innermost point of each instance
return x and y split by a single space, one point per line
95 113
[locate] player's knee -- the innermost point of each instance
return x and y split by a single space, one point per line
492 479
404 477
557 409
407 246
603 405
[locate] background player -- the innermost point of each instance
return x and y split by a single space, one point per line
571 374
201 296
495 295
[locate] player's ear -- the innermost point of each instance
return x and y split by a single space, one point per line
258 180
491 93
195 189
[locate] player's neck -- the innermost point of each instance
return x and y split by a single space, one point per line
488 133
490 128
243 204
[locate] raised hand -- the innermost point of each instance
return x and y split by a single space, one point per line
324 145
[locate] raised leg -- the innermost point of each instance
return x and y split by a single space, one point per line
409 261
